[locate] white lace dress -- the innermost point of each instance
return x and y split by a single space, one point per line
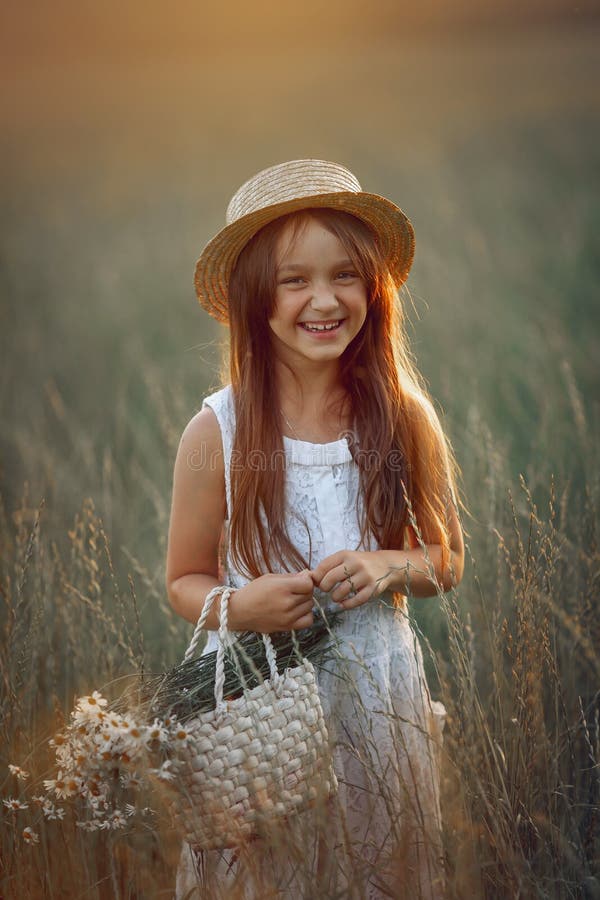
384 834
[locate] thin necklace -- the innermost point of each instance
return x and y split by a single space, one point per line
289 424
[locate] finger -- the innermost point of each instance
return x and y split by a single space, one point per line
326 564
359 599
318 573
304 621
302 583
347 587
333 577
299 607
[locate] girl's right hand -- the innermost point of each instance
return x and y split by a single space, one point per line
273 602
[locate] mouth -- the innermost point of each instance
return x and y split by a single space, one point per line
321 327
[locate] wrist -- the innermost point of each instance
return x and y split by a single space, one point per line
235 612
397 567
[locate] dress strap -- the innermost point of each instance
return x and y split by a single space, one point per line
221 403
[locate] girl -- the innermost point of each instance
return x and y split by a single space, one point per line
322 469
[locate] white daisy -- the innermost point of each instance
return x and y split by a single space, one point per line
81 757
50 784
164 773
83 728
98 803
117 819
131 780
92 703
58 740
107 738
107 756
85 717
157 733
14 804
20 773
181 736
64 755
95 791
30 836
136 733
68 788
53 812
114 723
132 736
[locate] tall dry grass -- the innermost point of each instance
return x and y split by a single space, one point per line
518 671
104 359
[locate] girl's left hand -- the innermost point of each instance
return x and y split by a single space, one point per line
359 575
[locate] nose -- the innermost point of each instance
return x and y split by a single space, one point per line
324 300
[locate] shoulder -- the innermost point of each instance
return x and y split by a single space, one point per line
201 431
200 452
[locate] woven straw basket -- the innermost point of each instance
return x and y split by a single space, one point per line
254 760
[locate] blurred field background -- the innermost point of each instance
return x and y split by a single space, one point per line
125 131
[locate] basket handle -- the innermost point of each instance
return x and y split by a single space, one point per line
225 638
208 602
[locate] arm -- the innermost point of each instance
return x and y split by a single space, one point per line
197 517
416 571
367 574
411 571
272 602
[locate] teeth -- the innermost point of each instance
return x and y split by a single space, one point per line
320 327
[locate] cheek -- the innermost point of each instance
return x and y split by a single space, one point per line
287 309
280 323
360 305
275 316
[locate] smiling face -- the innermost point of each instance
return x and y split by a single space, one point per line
320 298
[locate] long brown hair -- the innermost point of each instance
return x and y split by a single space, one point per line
402 453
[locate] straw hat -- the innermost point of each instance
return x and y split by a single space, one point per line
281 189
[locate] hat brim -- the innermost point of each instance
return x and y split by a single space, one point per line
392 228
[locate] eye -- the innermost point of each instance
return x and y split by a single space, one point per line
347 275
296 279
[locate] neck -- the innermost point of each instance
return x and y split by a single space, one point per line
309 387
314 402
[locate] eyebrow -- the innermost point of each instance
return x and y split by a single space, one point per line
295 267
